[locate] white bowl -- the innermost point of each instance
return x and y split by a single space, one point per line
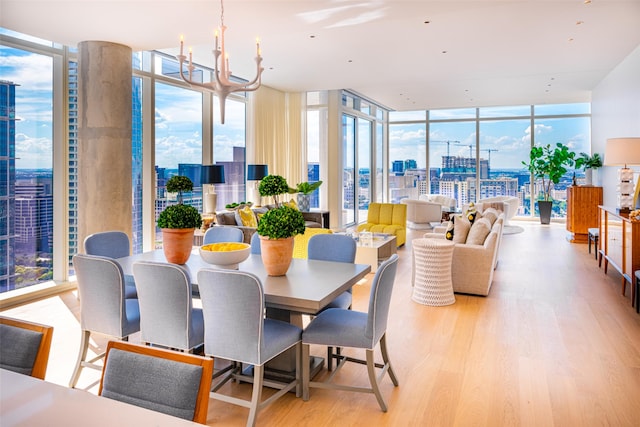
225 259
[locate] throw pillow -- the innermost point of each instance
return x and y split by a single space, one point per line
461 229
247 217
490 214
448 234
292 204
479 232
471 213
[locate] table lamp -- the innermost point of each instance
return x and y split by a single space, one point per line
211 174
256 173
624 151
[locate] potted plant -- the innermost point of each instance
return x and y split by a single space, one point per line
549 163
277 228
178 222
588 163
304 190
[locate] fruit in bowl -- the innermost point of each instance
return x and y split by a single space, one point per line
225 255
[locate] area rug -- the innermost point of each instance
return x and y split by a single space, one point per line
512 229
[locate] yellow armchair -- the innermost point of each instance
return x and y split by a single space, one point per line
389 218
301 241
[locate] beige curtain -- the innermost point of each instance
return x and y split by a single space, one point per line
276 133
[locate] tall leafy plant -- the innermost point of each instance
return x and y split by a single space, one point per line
549 163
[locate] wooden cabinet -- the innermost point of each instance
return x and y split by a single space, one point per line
582 211
620 245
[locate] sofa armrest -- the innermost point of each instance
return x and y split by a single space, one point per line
315 217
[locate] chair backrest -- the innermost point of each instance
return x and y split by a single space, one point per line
112 244
380 298
160 380
387 213
25 346
166 308
221 233
102 297
255 244
233 309
332 247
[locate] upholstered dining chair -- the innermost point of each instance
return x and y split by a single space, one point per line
112 244
25 346
161 380
255 244
167 315
340 248
103 306
349 328
236 330
222 233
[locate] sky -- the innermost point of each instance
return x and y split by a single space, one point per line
179 136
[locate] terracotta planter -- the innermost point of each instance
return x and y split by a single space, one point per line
177 244
276 255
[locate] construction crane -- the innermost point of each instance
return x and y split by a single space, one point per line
489 150
445 142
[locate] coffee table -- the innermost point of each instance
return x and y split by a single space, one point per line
382 246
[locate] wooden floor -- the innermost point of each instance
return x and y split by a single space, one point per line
554 343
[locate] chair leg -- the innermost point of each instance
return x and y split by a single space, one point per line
299 369
305 372
371 370
256 394
385 359
82 355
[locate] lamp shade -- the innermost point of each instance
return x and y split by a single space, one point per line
257 172
212 174
622 151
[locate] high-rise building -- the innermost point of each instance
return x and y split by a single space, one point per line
7 184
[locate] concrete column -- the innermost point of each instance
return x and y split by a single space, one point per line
104 138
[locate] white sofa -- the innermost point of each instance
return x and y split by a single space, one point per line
473 264
511 205
421 213
447 203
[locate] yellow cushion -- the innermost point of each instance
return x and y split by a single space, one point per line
301 241
247 217
292 204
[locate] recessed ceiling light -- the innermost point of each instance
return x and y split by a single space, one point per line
570 39
579 22
587 1
444 51
350 61
427 22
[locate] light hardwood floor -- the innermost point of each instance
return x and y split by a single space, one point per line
554 343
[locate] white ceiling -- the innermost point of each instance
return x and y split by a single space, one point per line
471 53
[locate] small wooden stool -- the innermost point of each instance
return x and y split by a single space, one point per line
593 236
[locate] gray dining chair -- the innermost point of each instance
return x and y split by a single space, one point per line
112 244
339 327
222 233
339 248
25 346
167 315
103 306
157 379
236 330
255 244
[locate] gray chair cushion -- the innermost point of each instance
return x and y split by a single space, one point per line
153 383
19 348
340 328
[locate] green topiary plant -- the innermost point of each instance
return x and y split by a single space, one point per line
273 185
179 184
549 164
179 216
281 222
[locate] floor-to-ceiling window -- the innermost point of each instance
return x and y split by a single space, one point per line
316 138
26 166
349 204
476 153
229 151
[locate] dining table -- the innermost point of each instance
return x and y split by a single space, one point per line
306 288
29 401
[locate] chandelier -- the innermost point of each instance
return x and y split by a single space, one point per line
222 85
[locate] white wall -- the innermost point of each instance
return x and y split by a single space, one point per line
615 112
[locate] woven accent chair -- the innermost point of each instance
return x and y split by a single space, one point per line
112 244
25 346
167 315
236 330
160 380
255 244
103 306
220 233
348 328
